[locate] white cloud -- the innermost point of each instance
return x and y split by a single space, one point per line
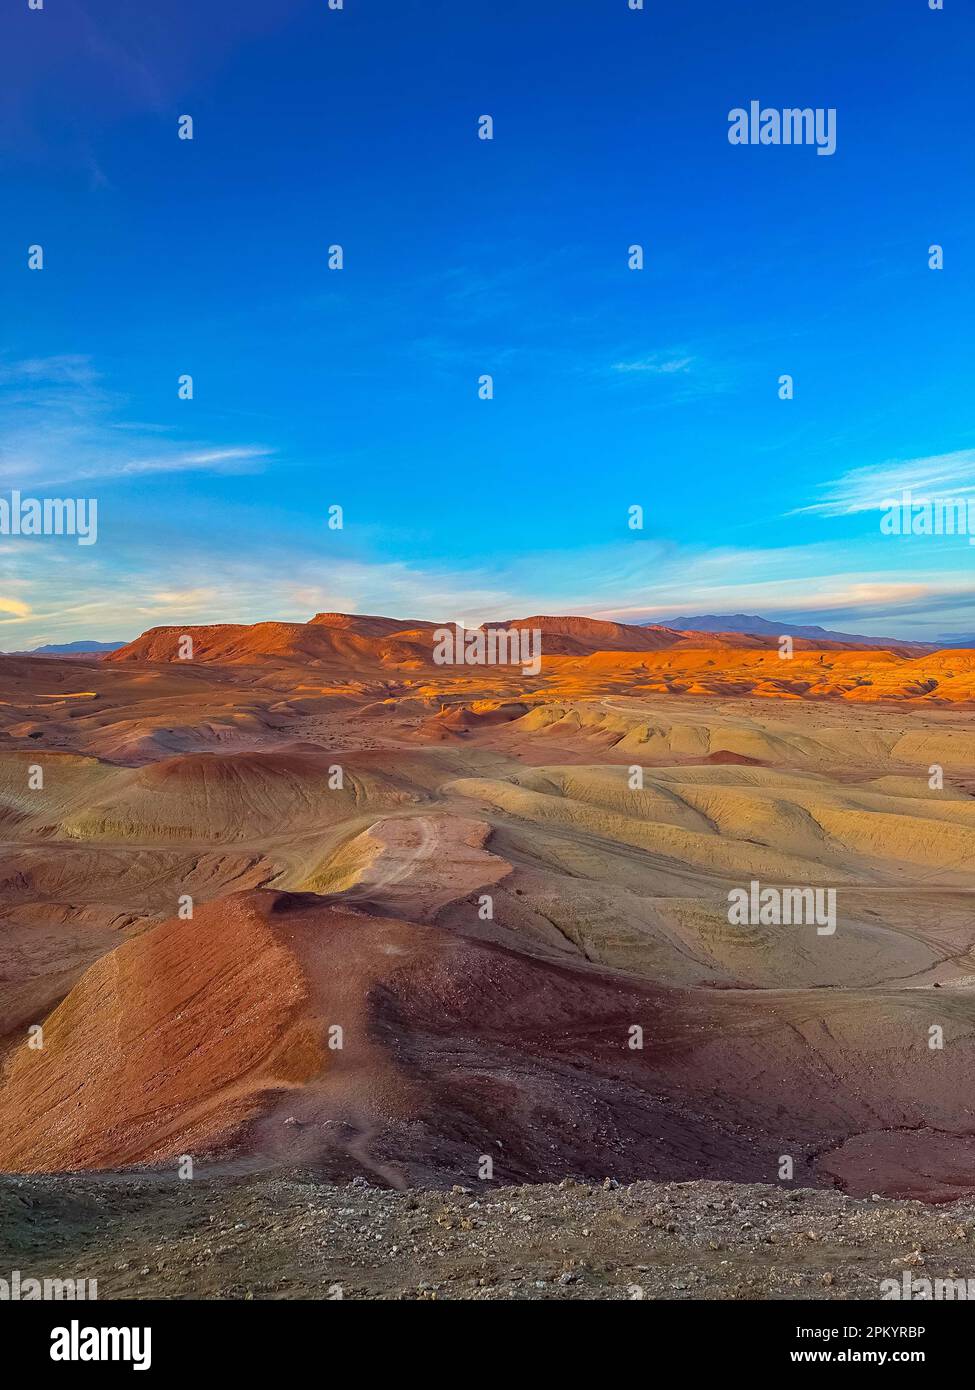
59 425
658 364
205 460
873 488
180 599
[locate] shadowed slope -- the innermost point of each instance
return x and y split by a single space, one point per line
216 1038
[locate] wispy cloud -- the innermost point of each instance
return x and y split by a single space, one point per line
210 460
896 608
71 369
872 489
116 596
182 599
657 364
60 424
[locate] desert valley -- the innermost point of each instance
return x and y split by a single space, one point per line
309 901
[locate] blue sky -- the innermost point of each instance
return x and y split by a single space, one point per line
464 257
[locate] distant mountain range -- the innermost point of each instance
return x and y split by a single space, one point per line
570 633
754 626
82 648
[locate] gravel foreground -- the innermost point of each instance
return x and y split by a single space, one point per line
295 1237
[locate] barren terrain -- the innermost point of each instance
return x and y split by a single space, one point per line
293 1236
309 901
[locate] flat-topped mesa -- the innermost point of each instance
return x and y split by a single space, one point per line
599 634
339 640
369 625
208 642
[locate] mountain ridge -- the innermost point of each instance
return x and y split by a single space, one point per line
750 624
366 638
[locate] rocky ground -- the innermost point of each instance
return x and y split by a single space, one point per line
293 1237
